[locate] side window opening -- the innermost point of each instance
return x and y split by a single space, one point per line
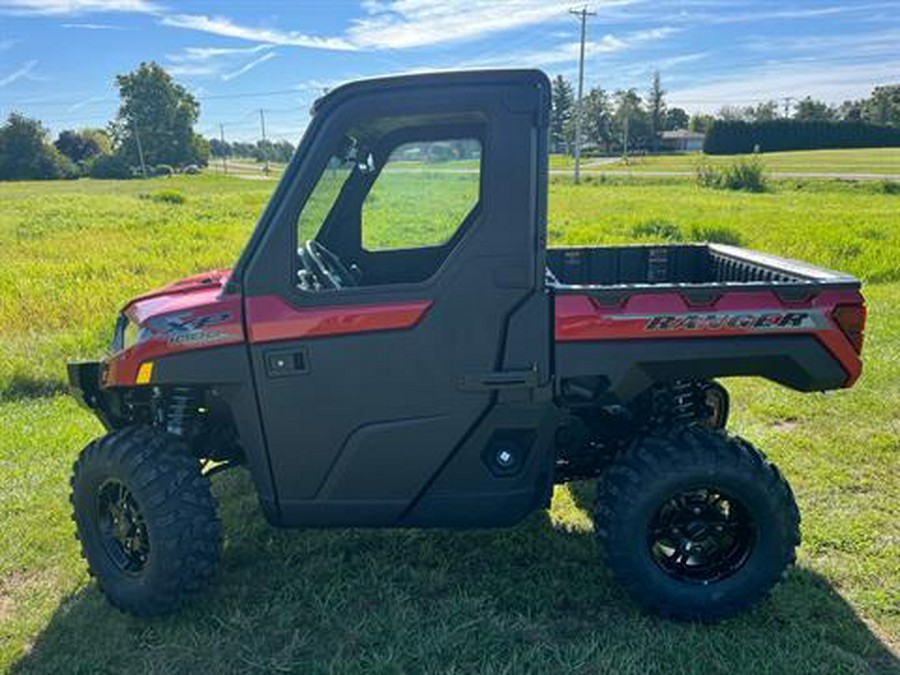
423 195
386 211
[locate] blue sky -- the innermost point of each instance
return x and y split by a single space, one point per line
58 57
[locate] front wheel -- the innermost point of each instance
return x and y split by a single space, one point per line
696 524
146 520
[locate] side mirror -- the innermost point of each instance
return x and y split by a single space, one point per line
367 166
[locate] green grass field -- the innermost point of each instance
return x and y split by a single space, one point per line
531 599
884 161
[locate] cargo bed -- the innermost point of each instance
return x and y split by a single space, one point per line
686 267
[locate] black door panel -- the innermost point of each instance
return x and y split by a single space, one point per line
360 426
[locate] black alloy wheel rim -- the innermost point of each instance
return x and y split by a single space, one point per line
701 536
122 527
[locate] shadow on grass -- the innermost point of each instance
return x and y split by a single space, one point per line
534 598
23 386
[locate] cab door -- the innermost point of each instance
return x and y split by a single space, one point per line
428 190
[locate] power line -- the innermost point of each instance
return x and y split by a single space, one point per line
583 14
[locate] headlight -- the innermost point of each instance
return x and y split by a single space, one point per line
132 330
126 335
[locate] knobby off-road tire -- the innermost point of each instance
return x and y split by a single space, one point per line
696 525
146 520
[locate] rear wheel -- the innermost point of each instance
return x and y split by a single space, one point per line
696 524
146 520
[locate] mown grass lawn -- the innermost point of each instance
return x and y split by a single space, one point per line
530 599
864 161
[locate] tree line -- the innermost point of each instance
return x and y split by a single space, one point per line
614 122
261 151
152 133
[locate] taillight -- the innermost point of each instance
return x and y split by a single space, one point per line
851 319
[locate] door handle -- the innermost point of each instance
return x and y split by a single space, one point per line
286 363
501 379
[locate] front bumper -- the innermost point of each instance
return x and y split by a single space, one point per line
84 382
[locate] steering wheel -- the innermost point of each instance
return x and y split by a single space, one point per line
328 266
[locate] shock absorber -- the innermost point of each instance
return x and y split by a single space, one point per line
181 410
684 401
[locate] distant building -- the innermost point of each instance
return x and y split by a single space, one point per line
682 140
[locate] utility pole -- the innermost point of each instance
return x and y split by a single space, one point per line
262 122
787 100
625 133
224 149
137 137
583 14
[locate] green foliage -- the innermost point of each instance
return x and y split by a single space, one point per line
162 170
677 118
110 167
160 113
80 146
811 110
656 110
737 137
562 115
168 196
707 175
534 598
25 153
890 187
716 235
657 229
745 174
883 107
700 123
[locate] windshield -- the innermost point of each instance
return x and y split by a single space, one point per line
324 196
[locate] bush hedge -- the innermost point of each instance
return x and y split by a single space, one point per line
734 138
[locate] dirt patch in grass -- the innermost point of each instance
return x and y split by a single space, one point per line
12 586
786 424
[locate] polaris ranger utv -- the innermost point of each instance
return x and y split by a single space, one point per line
396 347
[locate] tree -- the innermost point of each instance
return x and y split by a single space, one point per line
883 107
80 146
656 104
598 120
851 111
562 115
811 110
763 112
160 114
219 148
26 154
676 118
631 127
732 113
700 123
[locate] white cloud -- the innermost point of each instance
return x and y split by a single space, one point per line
399 24
92 26
248 67
194 54
226 62
88 101
569 52
226 27
829 81
65 7
16 75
